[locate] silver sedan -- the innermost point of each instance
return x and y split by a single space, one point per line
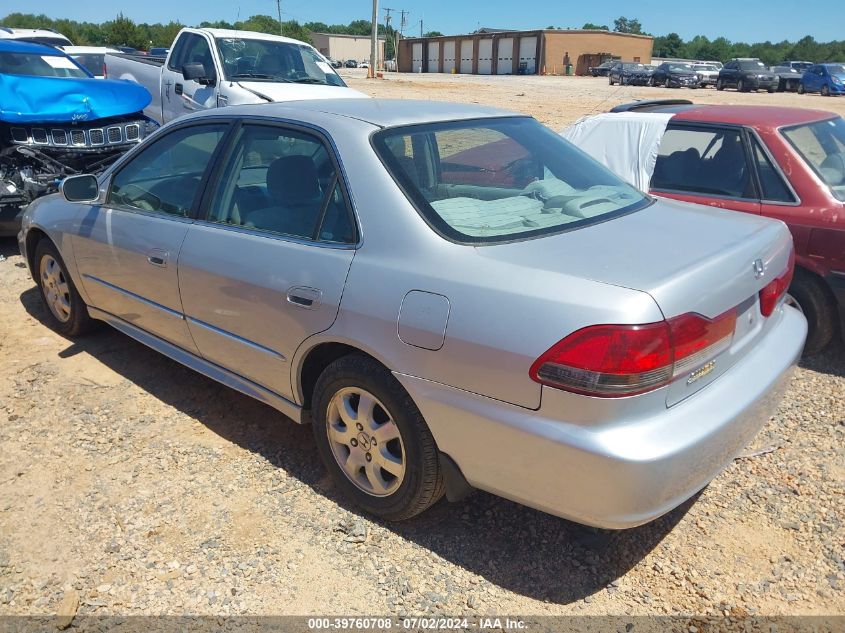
453 296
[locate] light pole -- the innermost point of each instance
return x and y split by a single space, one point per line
374 43
279 9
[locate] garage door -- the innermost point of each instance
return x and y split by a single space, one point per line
416 57
505 61
485 57
433 57
528 54
466 56
449 57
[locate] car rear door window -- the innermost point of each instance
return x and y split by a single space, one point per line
282 181
707 161
165 177
772 185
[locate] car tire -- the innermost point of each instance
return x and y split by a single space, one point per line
416 481
740 86
770 90
610 80
66 312
651 82
719 85
800 88
825 91
808 294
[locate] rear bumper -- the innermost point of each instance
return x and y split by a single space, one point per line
616 473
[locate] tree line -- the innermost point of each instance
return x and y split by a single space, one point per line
125 32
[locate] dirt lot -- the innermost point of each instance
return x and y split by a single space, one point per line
131 485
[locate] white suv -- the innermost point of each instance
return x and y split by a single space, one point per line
38 36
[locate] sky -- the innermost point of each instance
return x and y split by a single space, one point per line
747 20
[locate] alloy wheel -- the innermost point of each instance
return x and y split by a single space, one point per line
365 441
55 287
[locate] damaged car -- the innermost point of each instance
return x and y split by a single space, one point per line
57 120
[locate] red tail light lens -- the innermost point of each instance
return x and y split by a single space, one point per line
612 361
775 289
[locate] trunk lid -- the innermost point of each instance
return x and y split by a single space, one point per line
689 258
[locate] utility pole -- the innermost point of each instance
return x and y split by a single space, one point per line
371 73
421 28
279 9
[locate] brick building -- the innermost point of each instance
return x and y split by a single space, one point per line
501 52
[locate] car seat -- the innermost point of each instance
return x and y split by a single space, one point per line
296 198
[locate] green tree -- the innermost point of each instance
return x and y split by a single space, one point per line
670 45
627 25
589 26
433 34
124 32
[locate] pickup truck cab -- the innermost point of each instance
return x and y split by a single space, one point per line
211 68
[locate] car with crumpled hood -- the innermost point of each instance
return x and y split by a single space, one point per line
57 120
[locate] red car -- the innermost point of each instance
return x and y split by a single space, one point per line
783 163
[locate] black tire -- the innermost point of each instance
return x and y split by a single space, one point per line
651 82
814 300
610 80
825 91
740 86
800 88
719 85
771 90
78 320
422 484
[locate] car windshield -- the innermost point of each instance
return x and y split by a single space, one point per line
704 67
752 65
822 146
495 180
801 65
273 61
836 69
680 68
38 65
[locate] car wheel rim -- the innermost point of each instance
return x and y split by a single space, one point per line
55 288
365 442
790 300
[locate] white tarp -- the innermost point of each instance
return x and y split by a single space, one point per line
625 142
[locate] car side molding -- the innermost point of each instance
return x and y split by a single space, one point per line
215 372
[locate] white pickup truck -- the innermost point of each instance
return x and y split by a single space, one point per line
211 68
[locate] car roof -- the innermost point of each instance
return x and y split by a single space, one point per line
747 115
245 35
81 50
378 112
16 46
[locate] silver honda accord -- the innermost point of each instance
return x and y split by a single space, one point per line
453 296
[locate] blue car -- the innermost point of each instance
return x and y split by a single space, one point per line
57 120
828 79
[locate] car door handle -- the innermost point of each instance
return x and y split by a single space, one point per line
178 89
304 297
158 258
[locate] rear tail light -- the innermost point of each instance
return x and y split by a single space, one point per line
775 289
612 361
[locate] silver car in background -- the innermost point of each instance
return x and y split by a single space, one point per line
453 296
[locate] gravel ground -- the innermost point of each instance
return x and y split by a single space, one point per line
130 485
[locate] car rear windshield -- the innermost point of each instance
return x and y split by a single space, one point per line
501 179
273 61
37 65
93 62
822 146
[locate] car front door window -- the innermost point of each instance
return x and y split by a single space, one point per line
165 177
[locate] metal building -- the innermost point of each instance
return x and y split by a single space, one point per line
343 47
503 52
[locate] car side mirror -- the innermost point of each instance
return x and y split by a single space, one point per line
196 72
80 189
